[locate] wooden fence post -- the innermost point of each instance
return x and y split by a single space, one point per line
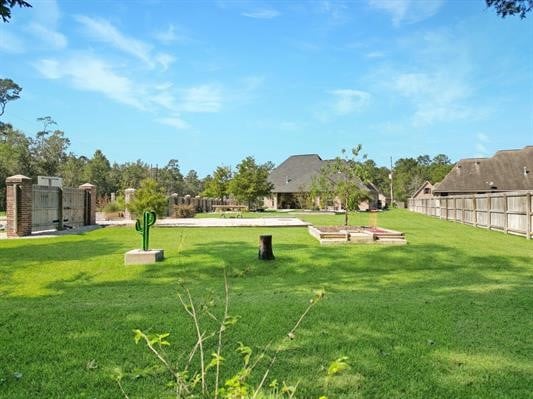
474 210
528 216
489 210
505 215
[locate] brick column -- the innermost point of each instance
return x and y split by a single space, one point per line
90 203
129 194
19 206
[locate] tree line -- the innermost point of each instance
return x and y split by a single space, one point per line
47 154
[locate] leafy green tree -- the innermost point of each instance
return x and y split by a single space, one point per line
97 172
250 181
150 196
7 5
511 7
49 149
379 176
132 173
15 157
170 177
192 184
9 91
405 171
344 178
72 170
217 186
439 168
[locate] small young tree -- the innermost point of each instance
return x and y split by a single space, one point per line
149 197
217 186
251 181
343 178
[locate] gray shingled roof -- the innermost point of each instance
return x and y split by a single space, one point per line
296 173
507 170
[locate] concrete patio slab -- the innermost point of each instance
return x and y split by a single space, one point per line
216 222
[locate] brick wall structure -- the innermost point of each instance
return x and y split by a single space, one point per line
19 206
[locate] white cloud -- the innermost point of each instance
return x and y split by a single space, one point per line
174 121
44 26
48 36
92 74
407 11
165 99
437 96
336 11
165 60
104 31
11 43
375 54
204 98
483 137
264 13
348 101
171 35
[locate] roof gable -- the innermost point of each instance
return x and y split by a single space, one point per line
507 170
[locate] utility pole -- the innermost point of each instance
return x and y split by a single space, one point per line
390 177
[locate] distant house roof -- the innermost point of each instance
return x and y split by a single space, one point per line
427 183
507 170
296 174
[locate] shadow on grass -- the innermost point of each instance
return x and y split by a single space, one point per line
417 321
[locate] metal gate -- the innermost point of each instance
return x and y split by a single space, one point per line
45 207
73 207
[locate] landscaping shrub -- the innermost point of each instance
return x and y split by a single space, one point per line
149 197
184 211
112 207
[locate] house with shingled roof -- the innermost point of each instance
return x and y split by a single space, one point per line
293 179
507 170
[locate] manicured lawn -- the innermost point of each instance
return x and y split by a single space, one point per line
447 316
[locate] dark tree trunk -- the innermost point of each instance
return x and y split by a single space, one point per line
265 248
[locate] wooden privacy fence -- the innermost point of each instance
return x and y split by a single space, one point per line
509 212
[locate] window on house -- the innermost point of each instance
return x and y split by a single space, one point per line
427 190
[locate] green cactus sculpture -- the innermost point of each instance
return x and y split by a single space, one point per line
148 221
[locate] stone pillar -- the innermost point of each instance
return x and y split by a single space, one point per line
90 203
172 203
113 197
19 206
129 194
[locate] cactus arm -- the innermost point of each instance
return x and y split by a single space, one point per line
149 219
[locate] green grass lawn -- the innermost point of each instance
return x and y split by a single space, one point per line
447 316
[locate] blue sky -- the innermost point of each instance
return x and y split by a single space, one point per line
209 83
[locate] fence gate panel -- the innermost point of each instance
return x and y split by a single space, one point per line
73 206
44 207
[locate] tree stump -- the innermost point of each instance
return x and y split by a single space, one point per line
265 248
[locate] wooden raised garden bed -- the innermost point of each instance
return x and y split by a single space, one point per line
356 235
